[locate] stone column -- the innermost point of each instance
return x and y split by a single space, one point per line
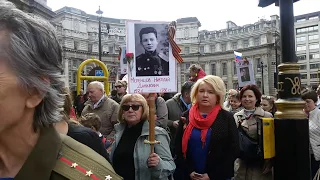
229 74
207 68
66 72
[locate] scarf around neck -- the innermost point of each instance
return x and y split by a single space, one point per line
196 120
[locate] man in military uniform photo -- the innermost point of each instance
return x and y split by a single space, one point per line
151 63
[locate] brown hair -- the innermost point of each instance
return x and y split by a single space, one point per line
309 94
90 120
255 90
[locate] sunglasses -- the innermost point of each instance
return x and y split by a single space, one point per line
134 107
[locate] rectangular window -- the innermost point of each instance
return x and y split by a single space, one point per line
258 61
234 68
186 50
201 50
303 76
110 50
300 20
213 48
313 66
303 67
224 69
313 46
301 57
245 43
313 17
257 41
314 56
301 48
313 76
187 66
235 45
223 47
307 29
213 69
300 39
313 37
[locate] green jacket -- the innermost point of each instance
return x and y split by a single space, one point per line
53 155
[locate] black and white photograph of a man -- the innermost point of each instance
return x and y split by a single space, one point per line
245 76
151 49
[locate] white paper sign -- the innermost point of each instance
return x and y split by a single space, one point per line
153 69
245 73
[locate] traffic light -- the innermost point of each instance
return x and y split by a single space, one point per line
265 3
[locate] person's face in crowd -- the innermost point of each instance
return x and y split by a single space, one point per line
121 89
206 95
16 103
244 72
94 93
149 42
186 97
309 105
249 100
132 112
318 90
266 105
234 102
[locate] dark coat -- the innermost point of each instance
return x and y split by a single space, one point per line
151 64
223 149
89 138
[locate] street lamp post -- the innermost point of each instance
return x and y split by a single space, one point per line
291 127
262 66
99 12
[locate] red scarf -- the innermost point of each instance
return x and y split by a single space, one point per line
198 121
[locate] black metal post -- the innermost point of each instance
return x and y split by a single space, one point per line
262 78
99 12
292 159
100 48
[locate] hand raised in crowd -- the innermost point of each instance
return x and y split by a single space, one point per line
196 176
175 124
153 160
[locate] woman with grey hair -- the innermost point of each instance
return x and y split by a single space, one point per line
31 101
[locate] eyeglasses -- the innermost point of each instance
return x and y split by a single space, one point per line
134 107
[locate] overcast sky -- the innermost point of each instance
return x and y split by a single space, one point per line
213 14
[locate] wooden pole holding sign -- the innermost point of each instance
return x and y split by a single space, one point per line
152 122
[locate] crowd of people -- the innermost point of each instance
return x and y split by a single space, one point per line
47 134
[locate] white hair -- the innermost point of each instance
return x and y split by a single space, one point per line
99 84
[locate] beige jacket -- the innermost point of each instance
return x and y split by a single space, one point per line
107 110
243 171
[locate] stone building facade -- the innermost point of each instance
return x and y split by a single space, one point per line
214 50
78 35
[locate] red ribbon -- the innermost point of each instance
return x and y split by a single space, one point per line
78 167
175 48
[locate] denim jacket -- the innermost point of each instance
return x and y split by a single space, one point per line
141 153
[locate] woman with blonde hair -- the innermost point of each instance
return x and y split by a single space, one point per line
207 143
130 156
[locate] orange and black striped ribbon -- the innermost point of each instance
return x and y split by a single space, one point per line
175 48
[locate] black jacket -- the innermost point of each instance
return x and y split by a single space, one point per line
89 138
223 148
